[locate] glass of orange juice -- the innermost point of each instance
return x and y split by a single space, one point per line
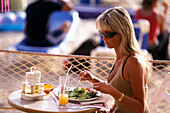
63 90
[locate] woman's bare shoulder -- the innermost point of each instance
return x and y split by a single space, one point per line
135 65
136 57
136 61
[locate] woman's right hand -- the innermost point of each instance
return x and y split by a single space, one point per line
85 75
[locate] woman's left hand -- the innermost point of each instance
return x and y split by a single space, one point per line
103 87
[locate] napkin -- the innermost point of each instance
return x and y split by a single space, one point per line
98 103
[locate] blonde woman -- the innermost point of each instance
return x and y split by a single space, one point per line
127 80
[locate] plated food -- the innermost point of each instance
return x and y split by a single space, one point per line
83 94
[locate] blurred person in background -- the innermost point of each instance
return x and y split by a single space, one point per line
158 36
127 80
36 26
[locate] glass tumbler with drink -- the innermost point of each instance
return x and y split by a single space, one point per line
63 90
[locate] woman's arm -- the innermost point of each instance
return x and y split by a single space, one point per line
135 71
86 75
162 18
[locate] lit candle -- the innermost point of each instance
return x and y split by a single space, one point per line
2 6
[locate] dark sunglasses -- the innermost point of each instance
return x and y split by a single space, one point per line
108 35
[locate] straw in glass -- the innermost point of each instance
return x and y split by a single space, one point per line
67 76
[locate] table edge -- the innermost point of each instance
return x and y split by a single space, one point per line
37 111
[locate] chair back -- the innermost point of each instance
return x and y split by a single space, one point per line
161 93
55 21
12 21
141 28
24 47
20 18
57 18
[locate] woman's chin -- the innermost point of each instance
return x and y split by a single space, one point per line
109 47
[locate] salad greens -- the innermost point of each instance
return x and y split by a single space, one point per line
82 93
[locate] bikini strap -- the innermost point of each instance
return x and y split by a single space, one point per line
111 69
125 62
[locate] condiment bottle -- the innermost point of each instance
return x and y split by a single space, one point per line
37 75
30 83
40 88
23 86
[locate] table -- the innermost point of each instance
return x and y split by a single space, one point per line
47 105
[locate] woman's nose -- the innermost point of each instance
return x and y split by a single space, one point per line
103 38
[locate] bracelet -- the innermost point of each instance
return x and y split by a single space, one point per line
120 99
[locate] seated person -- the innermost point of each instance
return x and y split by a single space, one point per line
36 26
158 36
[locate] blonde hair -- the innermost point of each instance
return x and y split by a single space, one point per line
118 20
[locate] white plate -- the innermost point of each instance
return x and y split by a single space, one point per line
55 90
90 99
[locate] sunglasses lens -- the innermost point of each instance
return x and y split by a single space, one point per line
108 35
111 35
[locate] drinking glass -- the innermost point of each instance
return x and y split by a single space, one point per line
63 90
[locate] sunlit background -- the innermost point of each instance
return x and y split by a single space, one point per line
86 27
88 10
